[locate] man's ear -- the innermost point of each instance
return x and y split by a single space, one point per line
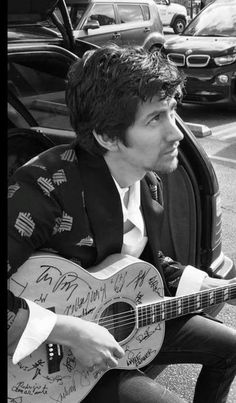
105 141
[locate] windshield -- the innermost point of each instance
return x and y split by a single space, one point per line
215 20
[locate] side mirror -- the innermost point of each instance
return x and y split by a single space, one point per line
92 24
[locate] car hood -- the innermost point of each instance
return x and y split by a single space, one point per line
199 44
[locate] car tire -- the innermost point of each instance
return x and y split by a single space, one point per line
179 25
155 48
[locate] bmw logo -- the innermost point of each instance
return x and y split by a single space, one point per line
188 52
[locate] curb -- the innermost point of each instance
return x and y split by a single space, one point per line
199 130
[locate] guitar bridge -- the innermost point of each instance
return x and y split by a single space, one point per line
54 357
54 354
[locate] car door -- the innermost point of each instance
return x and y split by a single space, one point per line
163 11
134 23
107 31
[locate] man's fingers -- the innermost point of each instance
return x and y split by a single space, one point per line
118 352
112 362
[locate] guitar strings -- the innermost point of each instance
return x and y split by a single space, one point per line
185 303
120 319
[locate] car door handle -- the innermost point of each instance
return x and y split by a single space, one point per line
147 29
115 35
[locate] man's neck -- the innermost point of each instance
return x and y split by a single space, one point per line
124 173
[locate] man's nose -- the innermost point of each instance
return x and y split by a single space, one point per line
175 133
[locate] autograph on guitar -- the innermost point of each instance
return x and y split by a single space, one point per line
123 293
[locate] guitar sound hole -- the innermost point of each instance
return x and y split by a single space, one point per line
119 319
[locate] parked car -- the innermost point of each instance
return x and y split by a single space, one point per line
172 15
206 52
124 22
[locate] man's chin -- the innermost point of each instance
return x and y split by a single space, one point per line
167 168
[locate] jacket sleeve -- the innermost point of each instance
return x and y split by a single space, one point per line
33 211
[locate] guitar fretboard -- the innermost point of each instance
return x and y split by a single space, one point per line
179 306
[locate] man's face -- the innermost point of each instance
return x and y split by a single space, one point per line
153 139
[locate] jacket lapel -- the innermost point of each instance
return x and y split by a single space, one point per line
102 202
153 216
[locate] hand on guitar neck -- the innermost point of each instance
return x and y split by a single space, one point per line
93 345
210 282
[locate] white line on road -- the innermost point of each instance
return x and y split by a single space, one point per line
225 130
213 157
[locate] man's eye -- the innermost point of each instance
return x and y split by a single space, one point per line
155 119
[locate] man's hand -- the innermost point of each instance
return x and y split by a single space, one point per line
210 282
93 345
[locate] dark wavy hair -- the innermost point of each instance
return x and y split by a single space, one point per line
106 86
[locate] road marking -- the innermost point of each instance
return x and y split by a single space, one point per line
225 132
229 136
214 157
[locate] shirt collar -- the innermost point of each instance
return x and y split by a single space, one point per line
134 198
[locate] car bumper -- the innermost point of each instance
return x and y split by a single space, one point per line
218 87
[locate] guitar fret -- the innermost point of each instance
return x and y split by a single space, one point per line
225 294
198 302
179 306
162 313
158 312
174 308
219 296
152 314
205 300
185 306
168 309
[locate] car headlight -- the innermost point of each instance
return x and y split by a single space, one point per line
223 60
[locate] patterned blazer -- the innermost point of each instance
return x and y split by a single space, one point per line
65 201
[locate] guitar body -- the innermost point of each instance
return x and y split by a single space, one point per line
109 295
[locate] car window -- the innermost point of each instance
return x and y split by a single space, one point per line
103 13
130 13
211 23
42 91
161 2
15 119
146 12
76 13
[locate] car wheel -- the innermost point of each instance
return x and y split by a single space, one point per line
155 48
179 25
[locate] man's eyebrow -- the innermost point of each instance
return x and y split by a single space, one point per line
170 105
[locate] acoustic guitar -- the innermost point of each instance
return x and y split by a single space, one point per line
123 293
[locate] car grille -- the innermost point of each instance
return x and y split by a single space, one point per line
191 60
177 58
197 60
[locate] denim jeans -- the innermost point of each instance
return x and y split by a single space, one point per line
190 339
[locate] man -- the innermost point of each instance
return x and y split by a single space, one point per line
92 199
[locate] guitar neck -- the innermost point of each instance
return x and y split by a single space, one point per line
180 306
